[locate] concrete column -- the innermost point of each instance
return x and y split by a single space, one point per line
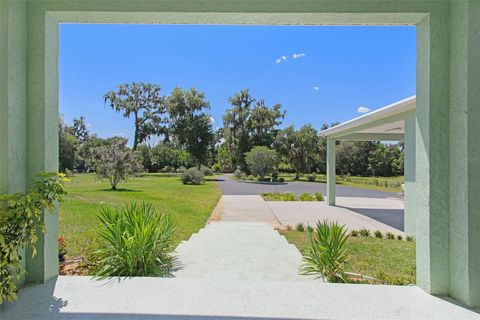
13 126
464 115
432 153
331 171
410 215
42 124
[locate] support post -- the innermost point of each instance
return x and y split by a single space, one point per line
331 171
410 214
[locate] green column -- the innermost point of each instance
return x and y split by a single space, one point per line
410 215
464 115
331 171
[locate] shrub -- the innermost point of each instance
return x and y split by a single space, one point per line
307 197
378 234
390 236
281 179
289 227
354 233
319 196
275 176
264 179
182 169
287 196
309 228
250 178
192 176
217 167
206 171
138 242
327 255
300 227
237 174
278 196
399 237
409 238
261 161
364 232
311 178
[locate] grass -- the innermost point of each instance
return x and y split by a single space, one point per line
389 261
343 181
190 206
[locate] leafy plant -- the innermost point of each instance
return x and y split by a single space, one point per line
409 238
20 220
206 171
378 234
288 196
353 233
309 228
193 176
390 236
307 197
138 242
261 161
238 174
300 227
311 178
274 176
399 237
281 179
327 255
364 232
62 246
319 196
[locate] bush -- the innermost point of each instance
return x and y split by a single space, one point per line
311 178
206 171
261 161
264 179
288 196
275 176
364 232
399 237
390 236
250 178
278 196
193 176
319 196
238 174
378 234
354 233
409 238
309 228
138 243
289 227
281 179
327 254
181 170
217 167
300 227
307 197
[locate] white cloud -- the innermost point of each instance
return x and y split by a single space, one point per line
281 59
212 120
363 109
316 88
298 55
118 134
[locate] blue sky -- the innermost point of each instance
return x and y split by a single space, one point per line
318 74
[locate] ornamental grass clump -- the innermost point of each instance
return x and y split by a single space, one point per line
326 255
137 243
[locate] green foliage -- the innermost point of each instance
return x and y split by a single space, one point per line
137 243
364 232
239 174
389 236
311 177
193 176
275 176
378 234
143 102
224 158
206 171
326 254
20 220
399 237
409 238
300 227
281 179
261 161
319 196
278 196
309 228
217 167
115 163
353 233
307 197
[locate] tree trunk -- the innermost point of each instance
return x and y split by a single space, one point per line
135 137
297 175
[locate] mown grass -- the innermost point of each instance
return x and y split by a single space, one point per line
388 261
190 206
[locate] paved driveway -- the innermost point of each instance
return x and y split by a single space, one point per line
230 186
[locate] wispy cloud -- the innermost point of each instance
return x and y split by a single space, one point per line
298 55
316 88
363 109
212 120
118 134
281 59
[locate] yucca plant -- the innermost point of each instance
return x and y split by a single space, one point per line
326 255
137 242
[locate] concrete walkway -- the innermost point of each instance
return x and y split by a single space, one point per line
239 251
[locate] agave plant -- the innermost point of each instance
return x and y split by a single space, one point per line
138 242
327 256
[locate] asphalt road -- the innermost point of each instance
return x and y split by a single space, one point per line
230 186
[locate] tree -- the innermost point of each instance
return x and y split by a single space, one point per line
68 146
224 158
115 162
261 161
299 148
190 123
80 130
263 123
144 103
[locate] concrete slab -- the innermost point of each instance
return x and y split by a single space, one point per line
347 212
81 298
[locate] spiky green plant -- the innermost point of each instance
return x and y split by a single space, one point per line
137 242
326 255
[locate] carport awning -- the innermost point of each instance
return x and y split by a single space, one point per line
384 124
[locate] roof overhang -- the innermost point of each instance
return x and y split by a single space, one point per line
384 124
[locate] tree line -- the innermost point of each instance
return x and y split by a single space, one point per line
182 124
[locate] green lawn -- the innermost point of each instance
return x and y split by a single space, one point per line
190 205
389 261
